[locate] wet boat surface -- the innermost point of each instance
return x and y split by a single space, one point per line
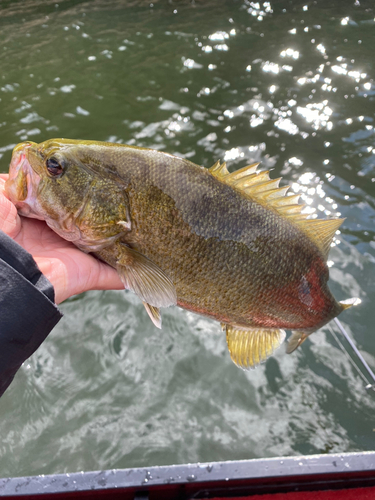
345 476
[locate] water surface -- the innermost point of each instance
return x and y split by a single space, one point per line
290 84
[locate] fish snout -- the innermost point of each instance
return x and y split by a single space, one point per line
18 157
19 185
22 146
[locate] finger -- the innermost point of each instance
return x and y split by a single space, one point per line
72 272
107 279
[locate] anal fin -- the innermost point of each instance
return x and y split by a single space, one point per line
250 347
154 313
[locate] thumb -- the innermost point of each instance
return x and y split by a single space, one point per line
10 221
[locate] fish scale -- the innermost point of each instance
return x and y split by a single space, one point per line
232 247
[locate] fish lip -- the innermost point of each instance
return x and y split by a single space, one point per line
18 157
19 187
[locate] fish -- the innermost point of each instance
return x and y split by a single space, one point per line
234 247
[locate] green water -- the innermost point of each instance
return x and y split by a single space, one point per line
290 84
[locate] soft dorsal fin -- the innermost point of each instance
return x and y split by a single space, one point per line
260 188
321 232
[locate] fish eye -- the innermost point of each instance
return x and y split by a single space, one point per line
54 167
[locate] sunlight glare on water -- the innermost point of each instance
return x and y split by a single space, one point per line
281 83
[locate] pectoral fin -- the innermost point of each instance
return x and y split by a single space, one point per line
154 313
296 339
248 348
142 276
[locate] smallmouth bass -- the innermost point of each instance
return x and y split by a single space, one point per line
230 246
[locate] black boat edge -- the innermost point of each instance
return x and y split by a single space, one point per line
202 480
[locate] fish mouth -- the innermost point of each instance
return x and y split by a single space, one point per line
22 182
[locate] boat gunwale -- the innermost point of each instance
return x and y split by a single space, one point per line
203 480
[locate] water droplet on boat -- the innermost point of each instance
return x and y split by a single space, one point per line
191 478
147 477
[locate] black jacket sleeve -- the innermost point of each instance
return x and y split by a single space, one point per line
27 309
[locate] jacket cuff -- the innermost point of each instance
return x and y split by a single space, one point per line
27 309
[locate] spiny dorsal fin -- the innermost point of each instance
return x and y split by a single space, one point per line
260 188
242 172
219 170
248 348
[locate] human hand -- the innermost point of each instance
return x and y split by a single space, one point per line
70 270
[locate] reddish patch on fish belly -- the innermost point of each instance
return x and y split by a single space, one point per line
320 302
302 304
